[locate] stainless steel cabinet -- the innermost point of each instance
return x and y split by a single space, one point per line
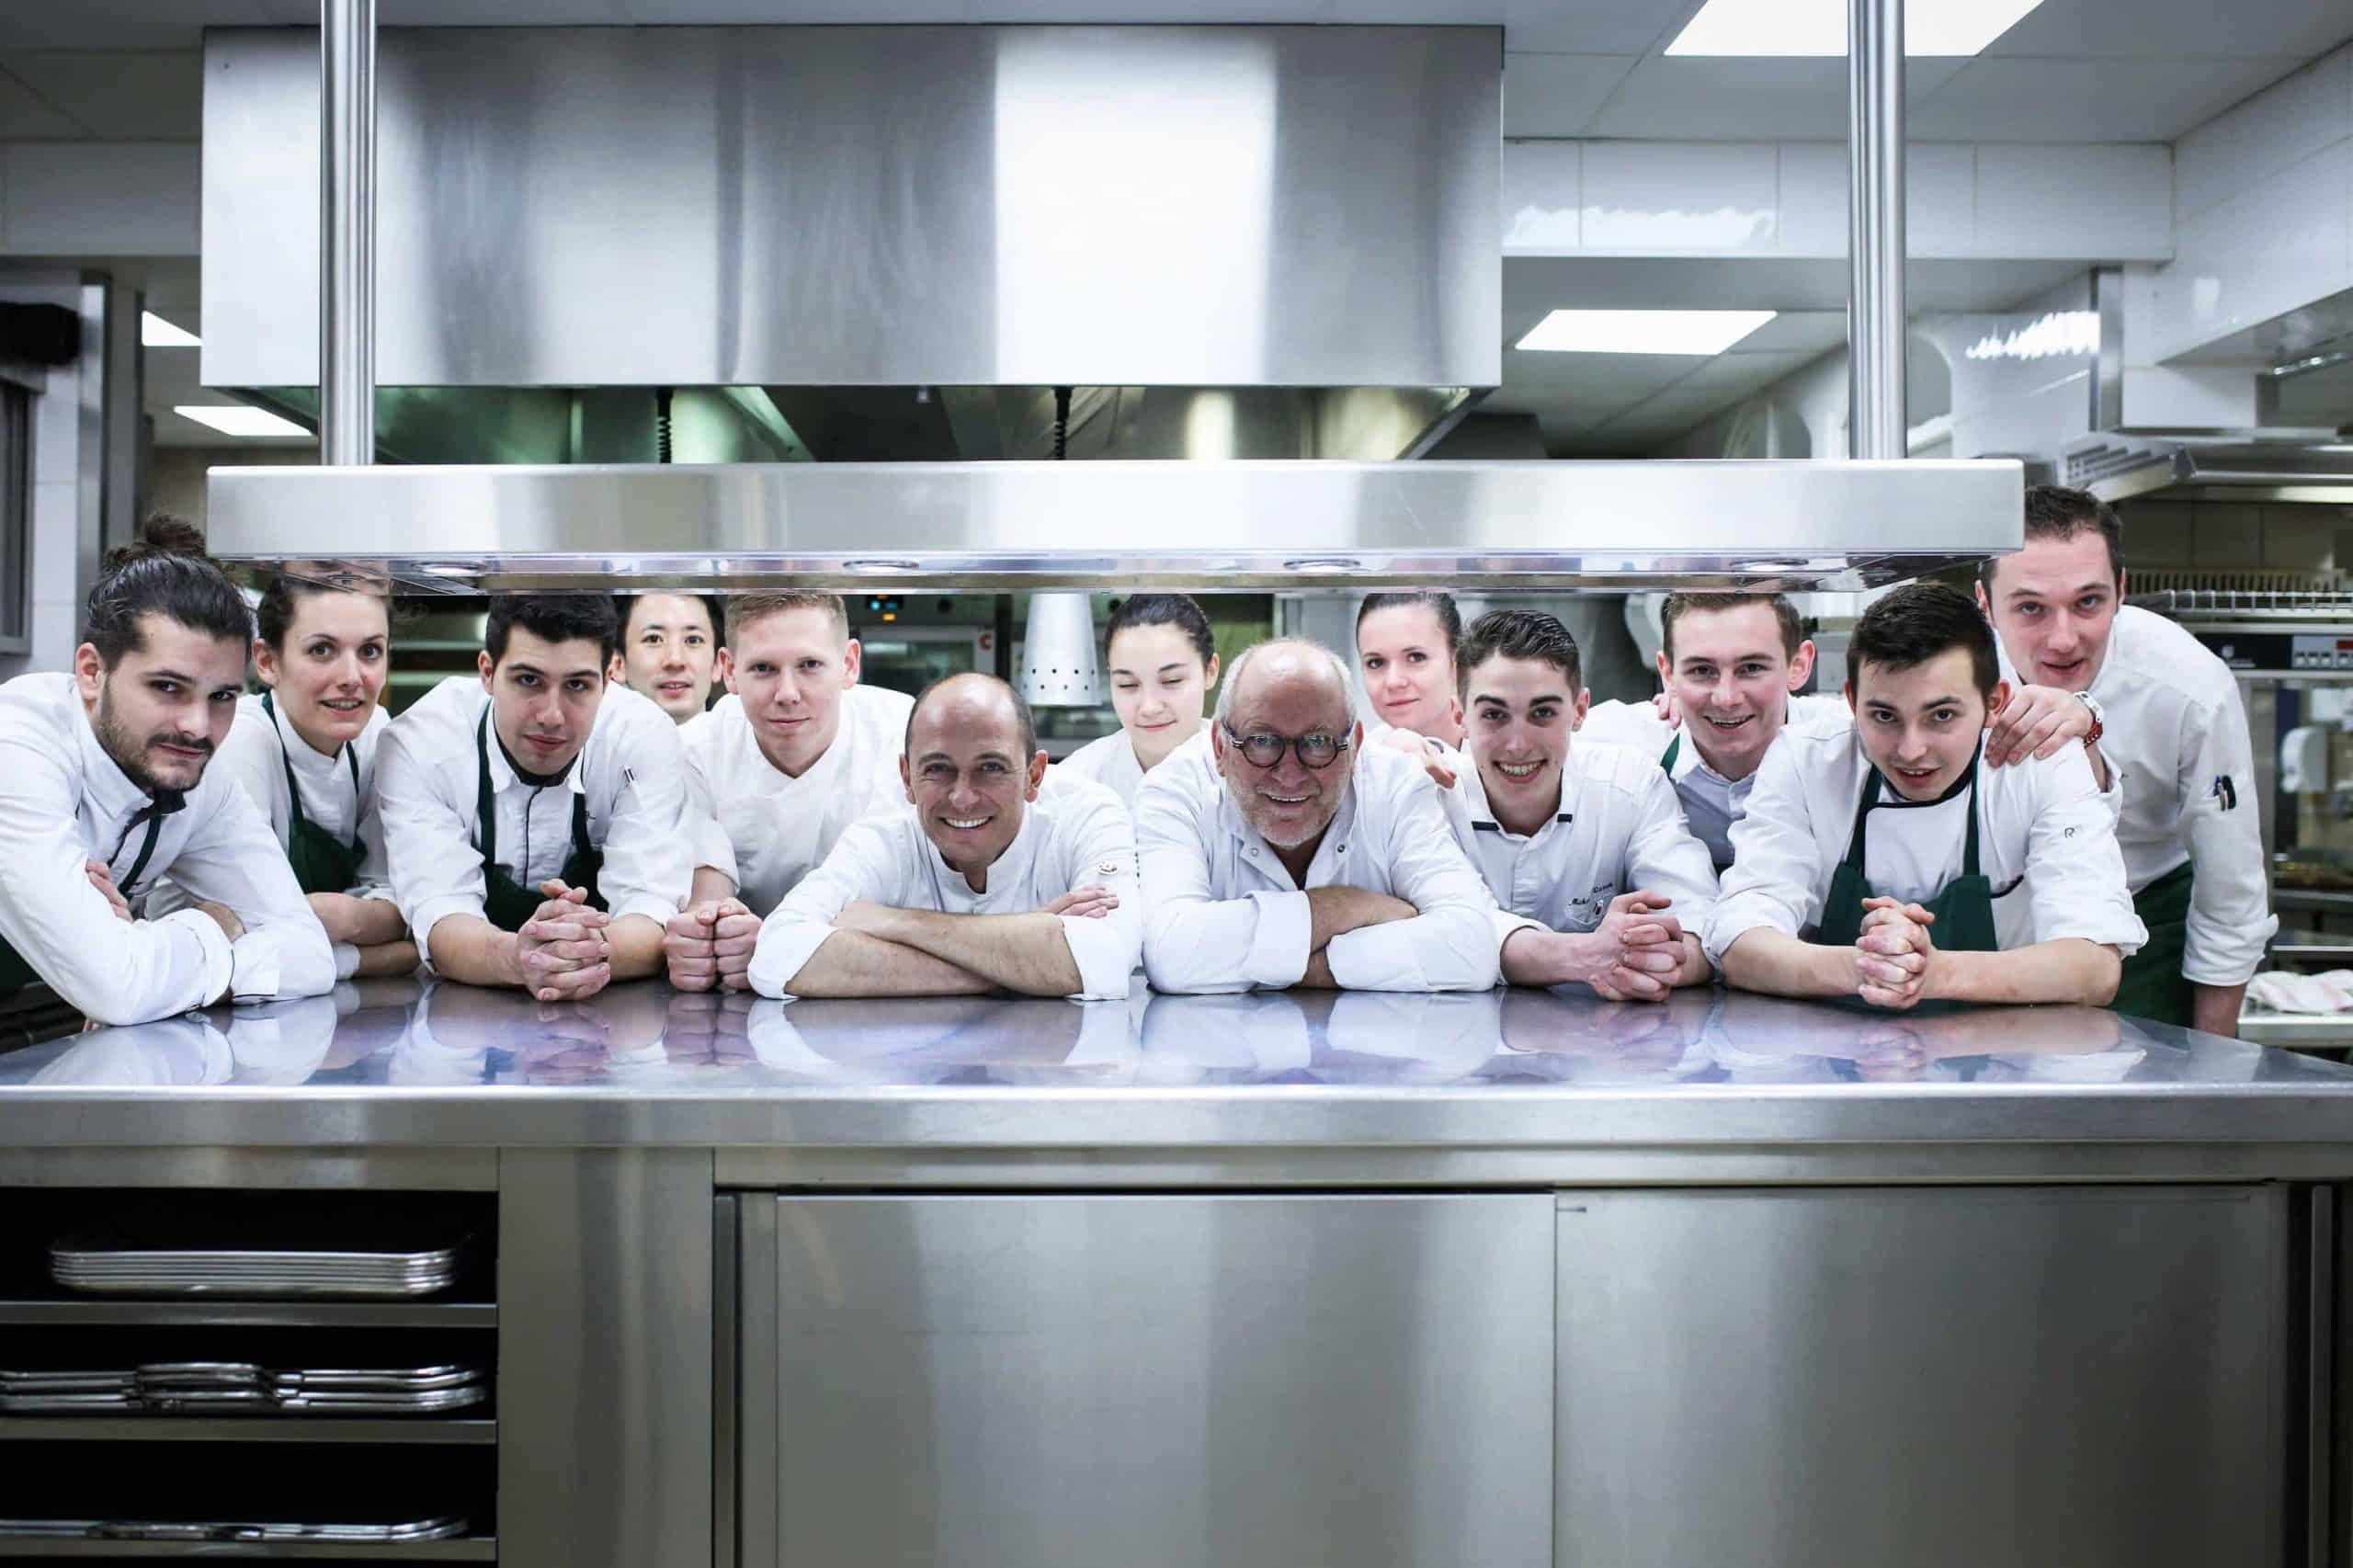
1934 1378
1197 1383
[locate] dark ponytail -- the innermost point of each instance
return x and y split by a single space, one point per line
166 572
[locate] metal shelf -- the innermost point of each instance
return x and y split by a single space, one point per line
193 1314
464 1549
248 1429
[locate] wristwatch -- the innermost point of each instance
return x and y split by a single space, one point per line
2099 717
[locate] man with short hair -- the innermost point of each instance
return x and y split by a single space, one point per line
104 789
796 752
984 885
1277 852
669 647
1884 863
535 816
2176 734
1584 845
1730 667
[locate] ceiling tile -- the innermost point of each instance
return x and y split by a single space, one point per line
1595 27
1708 99
26 116
2176 29
1557 94
121 94
2108 100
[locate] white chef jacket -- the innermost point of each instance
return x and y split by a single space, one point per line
1712 802
1109 761
1223 913
2177 743
63 801
1074 836
632 771
1617 826
2046 841
765 829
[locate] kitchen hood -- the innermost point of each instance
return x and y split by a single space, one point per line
2312 464
1118 525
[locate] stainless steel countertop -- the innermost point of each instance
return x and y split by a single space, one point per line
397 1064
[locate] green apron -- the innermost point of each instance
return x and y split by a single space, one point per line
1963 906
506 903
321 862
2153 985
1666 758
16 970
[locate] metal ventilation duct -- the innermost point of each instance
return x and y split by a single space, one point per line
2300 465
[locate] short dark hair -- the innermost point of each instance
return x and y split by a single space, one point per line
745 608
1916 623
712 605
1519 634
164 573
274 614
1680 605
2057 512
1165 609
1449 619
1023 720
553 618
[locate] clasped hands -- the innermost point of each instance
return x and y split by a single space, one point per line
1893 954
561 951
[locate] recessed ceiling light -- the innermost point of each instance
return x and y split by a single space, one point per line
236 419
1643 331
1819 26
154 332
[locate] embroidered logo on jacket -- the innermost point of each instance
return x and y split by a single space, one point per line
2225 791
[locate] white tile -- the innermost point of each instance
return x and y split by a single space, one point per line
57 429
2276 127
2284 244
1557 94
2056 412
1938 206
1992 99
1680 198
2188 397
1699 97
2112 201
1544 190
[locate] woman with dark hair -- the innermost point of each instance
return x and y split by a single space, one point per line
1162 659
1405 645
304 752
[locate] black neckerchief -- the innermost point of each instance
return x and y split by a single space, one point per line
162 804
1886 794
536 781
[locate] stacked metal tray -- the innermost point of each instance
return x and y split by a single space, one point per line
269 1255
347 1532
237 1387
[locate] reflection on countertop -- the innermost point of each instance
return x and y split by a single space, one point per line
648 1039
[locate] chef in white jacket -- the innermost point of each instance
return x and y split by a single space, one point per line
1159 655
985 884
2175 731
535 815
1277 852
105 787
796 752
1886 865
1583 844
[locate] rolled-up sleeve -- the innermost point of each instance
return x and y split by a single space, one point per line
2075 869
113 971
1774 859
1194 942
1454 941
649 847
233 859
864 864
2231 922
435 871
1105 949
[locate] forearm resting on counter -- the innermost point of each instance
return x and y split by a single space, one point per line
1778 964
2066 968
851 963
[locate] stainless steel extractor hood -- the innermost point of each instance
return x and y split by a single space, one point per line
1245 526
2270 465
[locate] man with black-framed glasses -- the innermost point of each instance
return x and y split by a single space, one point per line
1277 852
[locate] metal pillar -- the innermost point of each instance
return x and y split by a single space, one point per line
347 230
1877 330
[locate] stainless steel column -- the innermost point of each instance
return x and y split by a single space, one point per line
347 230
1877 330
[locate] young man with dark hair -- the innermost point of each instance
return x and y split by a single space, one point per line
982 886
777 771
104 788
669 648
535 818
2176 735
1886 863
1585 846
1730 667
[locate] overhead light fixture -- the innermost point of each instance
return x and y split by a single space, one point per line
236 419
1819 26
154 332
1643 331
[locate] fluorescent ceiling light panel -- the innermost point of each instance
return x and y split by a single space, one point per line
154 332
1819 26
235 419
1642 332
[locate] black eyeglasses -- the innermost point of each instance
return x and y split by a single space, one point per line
1316 750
